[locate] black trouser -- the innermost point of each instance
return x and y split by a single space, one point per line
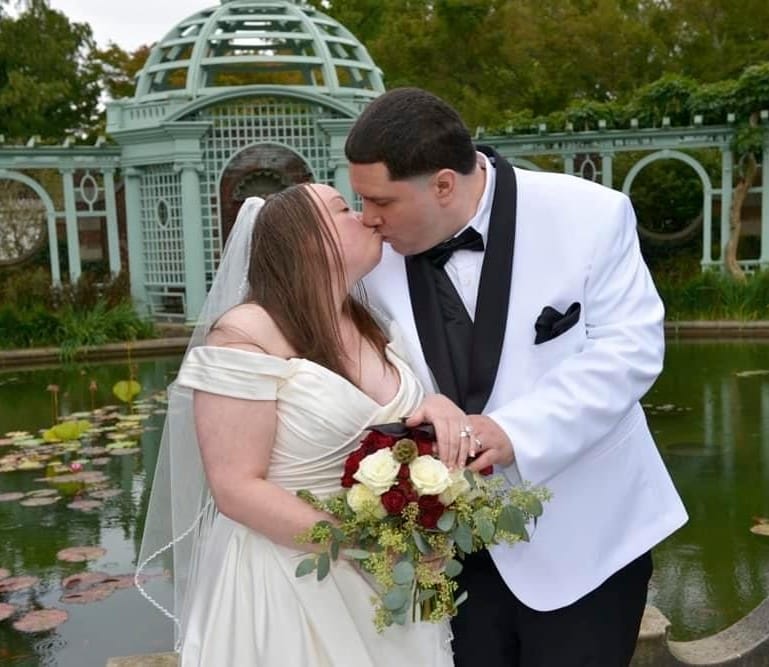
495 629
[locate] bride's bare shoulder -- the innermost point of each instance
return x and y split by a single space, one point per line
249 327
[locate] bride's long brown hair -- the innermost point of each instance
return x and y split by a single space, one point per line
291 277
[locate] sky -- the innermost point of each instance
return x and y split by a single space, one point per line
129 23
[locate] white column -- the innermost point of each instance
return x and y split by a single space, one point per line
192 229
135 238
113 239
73 237
727 171
568 164
764 260
607 175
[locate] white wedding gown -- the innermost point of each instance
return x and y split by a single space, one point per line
248 607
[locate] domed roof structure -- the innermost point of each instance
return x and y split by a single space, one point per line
258 42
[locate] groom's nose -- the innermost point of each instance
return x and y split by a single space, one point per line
369 217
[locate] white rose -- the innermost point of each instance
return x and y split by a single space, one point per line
459 485
378 471
363 501
429 476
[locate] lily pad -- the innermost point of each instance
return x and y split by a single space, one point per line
40 502
125 390
4 442
29 464
4 574
83 580
124 452
6 610
101 461
41 620
69 430
14 584
103 494
758 529
85 505
42 493
92 594
80 554
93 451
86 477
9 497
747 374
121 444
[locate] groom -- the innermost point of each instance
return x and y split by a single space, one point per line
523 297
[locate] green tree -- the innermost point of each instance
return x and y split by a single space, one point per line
119 69
49 82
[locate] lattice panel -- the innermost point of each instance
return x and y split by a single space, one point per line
163 239
240 124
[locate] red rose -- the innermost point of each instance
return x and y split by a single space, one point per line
375 441
488 470
404 473
430 510
351 466
406 488
394 501
424 445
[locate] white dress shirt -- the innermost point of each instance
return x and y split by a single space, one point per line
464 266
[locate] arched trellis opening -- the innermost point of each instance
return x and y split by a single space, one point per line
50 214
258 170
707 195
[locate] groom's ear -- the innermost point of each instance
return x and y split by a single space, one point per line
444 184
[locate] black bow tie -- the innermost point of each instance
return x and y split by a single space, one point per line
470 239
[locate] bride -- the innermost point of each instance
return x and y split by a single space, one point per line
285 372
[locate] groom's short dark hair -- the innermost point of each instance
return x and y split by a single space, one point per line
413 132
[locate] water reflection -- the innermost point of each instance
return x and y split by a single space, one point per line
30 537
713 571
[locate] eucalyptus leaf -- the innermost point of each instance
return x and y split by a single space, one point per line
403 573
337 534
470 477
463 537
485 526
534 506
452 568
426 595
421 542
305 567
324 565
356 554
396 599
446 522
334 550
460 599
511 520
399 618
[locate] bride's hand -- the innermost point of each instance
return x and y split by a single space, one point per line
449 422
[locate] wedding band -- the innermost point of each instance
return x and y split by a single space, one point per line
478 444
466 432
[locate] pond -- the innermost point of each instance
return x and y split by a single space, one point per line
710 420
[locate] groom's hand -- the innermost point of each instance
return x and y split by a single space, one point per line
492 446
449 422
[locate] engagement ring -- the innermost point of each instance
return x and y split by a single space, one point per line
466 432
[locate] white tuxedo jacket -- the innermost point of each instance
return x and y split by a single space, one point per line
570 405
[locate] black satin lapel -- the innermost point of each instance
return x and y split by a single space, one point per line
429 322
494 287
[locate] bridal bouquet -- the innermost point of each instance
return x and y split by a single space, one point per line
408 521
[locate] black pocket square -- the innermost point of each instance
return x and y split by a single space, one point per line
552 323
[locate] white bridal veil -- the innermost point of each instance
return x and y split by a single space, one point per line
180 509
